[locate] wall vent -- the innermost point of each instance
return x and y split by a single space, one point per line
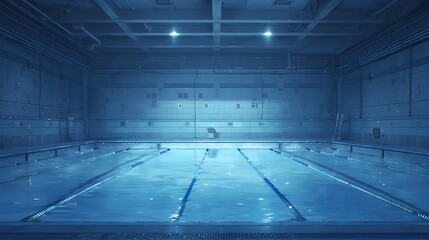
182 95
163 2
283 2
376 132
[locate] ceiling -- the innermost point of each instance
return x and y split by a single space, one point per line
221 26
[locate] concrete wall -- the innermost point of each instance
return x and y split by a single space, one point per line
184 104
37 98
391 94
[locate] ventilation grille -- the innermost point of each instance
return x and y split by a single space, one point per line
188 85
241 236
343 236
163 2
284 2
39 236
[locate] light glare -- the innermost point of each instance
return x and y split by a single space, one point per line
268 34
174 34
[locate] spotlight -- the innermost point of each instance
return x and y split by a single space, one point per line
174 34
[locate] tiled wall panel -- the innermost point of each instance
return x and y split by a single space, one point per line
235 105
395 98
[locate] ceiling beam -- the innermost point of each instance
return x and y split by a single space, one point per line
385 7
321 14
301 4
216 16
226 21
125 46
226 43
227 17
109 11
226 34
48 18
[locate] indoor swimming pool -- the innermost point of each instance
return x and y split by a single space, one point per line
306 183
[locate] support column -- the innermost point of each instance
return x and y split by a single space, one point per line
361 93
40 85
410 81
84 98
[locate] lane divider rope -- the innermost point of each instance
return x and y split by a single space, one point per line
397 203
60 166
42 159
36 216
369 163
295 212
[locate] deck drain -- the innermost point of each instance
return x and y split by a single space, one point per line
39 235
219 236
266 236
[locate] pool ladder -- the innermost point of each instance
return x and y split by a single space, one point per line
338 127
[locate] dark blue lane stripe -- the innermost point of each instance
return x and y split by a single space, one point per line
369 163
52 206
366 188
295 212
58 167
178 214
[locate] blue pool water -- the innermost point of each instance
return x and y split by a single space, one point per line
215 185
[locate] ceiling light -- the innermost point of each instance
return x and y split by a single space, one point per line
174 34
268 34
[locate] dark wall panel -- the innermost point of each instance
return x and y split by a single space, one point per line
391 94
40 99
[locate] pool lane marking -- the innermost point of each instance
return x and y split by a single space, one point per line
58 203
295 212
399 203
178 214
60 166
369 163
